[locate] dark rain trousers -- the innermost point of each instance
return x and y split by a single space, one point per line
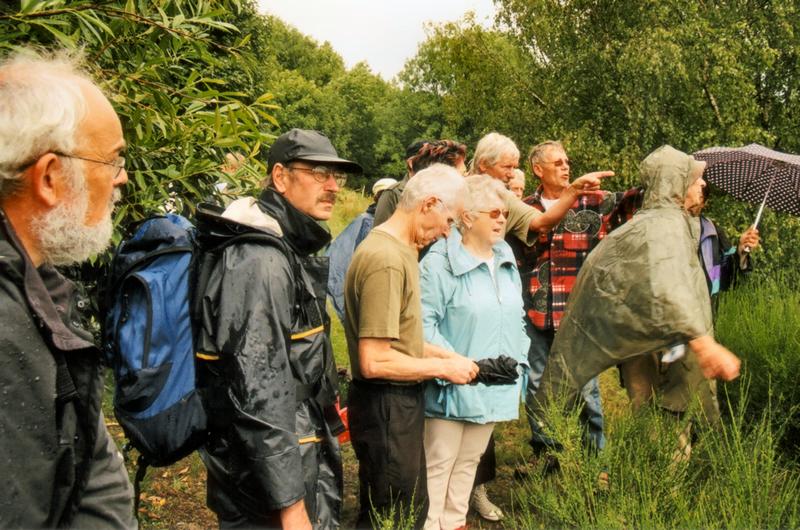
387 426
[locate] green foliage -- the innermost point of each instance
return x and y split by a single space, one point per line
760 322
615 80
735 478
153 59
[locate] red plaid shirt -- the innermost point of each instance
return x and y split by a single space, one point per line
549 267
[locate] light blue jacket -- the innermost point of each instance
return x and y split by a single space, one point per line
464 311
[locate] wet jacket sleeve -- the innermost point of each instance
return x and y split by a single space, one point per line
253 324
437 286
733 266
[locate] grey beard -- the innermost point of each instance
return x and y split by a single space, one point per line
63 237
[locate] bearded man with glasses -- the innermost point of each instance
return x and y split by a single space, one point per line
60 175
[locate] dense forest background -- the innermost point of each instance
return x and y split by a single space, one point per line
611 79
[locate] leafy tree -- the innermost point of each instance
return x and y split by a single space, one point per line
614 80
153 59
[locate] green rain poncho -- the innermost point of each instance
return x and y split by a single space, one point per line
642 289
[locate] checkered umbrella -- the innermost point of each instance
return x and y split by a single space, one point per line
755 174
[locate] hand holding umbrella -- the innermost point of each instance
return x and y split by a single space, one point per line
749 240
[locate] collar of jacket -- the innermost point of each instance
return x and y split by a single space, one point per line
44 288
300 231
537 195
461 261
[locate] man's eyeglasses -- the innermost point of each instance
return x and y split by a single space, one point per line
322 173
558 163
118 162
495 213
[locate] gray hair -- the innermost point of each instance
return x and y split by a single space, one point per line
440 181
536 156
41 107
490 149
519 175
483 192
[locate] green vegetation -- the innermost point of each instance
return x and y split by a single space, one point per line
194 81
760 321
613 80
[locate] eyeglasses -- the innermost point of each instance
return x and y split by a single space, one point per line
494 214
322 173
450 219
558 163
118 162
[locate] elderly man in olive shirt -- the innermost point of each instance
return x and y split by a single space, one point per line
388 356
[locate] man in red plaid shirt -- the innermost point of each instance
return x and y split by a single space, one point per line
550 266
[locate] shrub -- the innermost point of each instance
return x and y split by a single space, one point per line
760 322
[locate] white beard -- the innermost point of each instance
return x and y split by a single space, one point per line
63 237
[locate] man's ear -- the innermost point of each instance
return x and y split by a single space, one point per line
279 177
428 203
47 180
537 170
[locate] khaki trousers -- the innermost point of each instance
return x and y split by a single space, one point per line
452 450
673 386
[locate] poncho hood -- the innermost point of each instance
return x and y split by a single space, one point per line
666 174
642 288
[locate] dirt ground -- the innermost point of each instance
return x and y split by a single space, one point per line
174 496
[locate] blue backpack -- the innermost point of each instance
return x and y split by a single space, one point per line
149 341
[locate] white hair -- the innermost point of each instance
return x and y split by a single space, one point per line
490 149
41 107
440 181
483 193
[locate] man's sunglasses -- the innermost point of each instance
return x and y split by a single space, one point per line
558 163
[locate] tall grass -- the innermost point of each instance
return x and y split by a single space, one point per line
735 478
349 205
760 322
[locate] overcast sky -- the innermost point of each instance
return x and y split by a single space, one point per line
384 33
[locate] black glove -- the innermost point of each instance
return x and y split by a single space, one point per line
500 370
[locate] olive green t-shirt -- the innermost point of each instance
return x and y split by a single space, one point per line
382 298
519 219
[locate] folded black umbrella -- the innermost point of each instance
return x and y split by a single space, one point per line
500 370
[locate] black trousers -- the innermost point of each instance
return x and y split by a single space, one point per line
387 425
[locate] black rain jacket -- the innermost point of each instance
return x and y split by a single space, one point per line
51 383
268 365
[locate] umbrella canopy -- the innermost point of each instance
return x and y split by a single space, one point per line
753 172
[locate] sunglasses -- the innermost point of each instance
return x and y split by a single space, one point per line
558 163
494 214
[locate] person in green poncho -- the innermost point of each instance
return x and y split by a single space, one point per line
636 294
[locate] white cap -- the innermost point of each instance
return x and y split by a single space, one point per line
382 185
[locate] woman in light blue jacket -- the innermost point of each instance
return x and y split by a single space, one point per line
471 304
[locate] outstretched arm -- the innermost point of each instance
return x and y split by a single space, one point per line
588 183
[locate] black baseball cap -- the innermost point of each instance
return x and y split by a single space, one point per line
309 146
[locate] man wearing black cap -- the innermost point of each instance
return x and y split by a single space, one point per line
273 459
